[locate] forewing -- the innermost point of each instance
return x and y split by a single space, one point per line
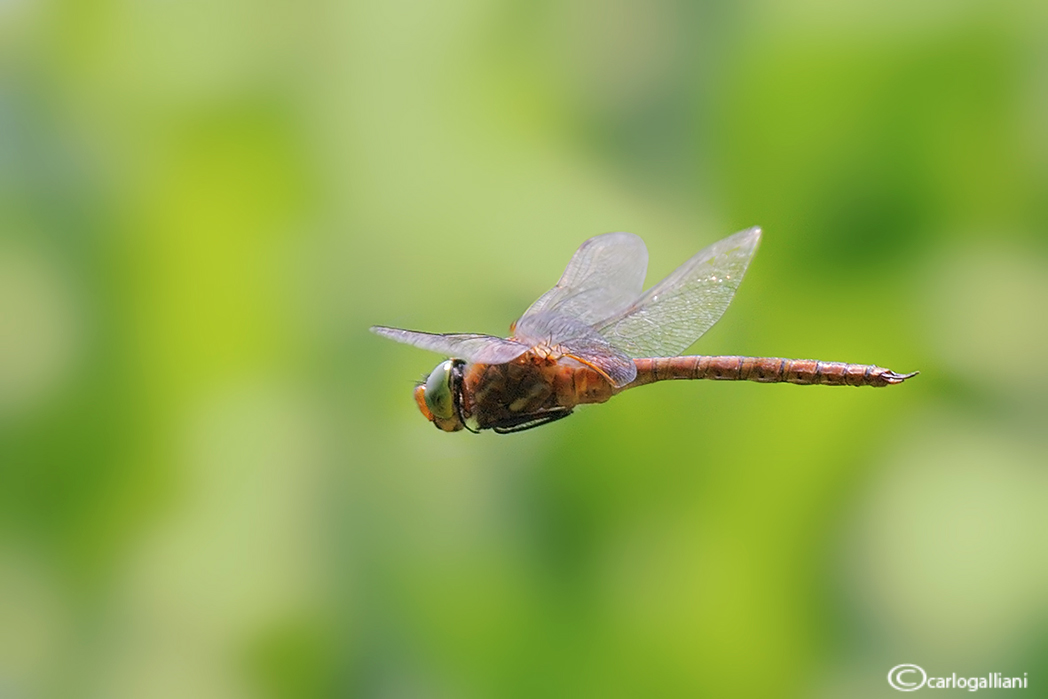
678 310
604 276
476 348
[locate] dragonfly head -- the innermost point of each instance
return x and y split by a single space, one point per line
438 397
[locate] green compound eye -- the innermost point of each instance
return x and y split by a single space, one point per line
438 391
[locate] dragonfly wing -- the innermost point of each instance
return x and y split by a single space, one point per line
601 355
479 349
674 313
604 276
573 337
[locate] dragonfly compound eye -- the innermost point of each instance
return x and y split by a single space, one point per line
437 394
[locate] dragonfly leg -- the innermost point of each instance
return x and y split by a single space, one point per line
520 423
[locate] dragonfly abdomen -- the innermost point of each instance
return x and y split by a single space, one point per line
764 370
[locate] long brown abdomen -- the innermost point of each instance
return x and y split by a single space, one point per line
764 370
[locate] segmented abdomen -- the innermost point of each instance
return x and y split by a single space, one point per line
765 370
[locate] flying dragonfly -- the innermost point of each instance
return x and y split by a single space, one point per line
595 335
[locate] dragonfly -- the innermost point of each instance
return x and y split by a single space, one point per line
596 334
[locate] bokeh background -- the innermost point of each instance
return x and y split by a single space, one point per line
214 481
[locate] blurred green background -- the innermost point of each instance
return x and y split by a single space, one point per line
214 481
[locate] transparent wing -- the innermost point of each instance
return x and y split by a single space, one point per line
479 349
604 276
579 340
678 310
602 356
